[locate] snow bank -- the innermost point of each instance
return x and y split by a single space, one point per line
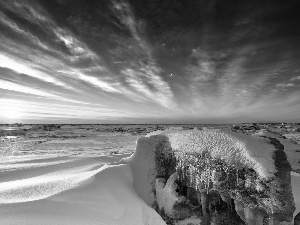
44 186
142 163
88 192
235 149
296 190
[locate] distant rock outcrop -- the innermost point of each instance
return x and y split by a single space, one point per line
213 175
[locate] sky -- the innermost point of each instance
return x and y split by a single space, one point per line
149 61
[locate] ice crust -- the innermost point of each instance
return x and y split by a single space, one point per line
235 149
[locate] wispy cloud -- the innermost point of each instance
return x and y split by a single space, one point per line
77 50
295 78
7 85
20 88
204 68
21 67
143 76
149 60
285 85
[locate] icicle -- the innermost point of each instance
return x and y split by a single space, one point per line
207 180
237 176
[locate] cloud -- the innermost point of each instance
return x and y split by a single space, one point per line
141 80
232 74
285 85
9 63
20 88
225 60
295 78
204 70
144 76
62 56
105 86
7 85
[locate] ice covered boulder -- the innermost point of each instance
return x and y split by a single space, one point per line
214 170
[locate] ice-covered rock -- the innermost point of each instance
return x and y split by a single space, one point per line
211 164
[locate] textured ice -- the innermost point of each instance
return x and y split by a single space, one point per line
235 149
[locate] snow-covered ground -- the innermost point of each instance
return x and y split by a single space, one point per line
70 177
65 177
74 191
293 136
291 148
296 190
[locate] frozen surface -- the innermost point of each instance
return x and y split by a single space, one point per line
293 136
59 176
88 192
70 176
296 190
291 148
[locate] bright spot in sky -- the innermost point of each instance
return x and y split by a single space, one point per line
11 112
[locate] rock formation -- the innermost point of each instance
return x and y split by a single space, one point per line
213 175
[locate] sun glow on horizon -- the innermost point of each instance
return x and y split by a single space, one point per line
10 112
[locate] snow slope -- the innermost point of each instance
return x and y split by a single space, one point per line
88 192
296 190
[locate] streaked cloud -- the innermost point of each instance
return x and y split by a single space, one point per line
23 68
165 61
33 91
285 85
143 76
295 78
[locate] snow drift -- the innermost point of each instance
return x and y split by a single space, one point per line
89 192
